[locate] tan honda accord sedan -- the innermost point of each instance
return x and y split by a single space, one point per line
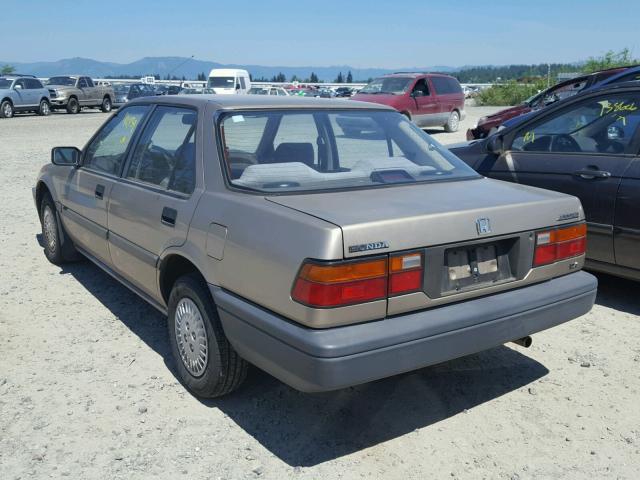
329 243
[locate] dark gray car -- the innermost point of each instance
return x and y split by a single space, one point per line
268 236
587 146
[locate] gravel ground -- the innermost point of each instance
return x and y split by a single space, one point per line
87 388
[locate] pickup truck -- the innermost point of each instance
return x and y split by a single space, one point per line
74 92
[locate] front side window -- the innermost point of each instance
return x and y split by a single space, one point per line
108 149
388 85
604 124
165 154
303 150
89 82
421 89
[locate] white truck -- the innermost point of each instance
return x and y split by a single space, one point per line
227 81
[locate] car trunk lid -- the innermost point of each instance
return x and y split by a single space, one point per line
397 218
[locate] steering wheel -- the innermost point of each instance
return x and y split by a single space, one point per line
564 143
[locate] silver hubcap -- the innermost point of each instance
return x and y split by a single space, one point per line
49 226
7 110
191 337
454 121
44 108
107 105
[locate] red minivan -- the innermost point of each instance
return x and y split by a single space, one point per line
428 99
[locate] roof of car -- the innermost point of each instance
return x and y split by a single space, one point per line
415 74
243 102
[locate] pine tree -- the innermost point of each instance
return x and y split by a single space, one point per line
349 77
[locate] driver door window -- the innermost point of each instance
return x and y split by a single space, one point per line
598 125
107 150
421 89
165 154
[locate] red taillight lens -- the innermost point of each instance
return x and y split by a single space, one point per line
339 284
560 244
406 272
347 283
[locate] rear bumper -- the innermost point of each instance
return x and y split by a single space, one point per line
319 360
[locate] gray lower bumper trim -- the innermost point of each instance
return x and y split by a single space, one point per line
320 360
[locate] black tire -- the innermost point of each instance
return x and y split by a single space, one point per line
6 109
58 247
44 109
223 370
453 124
106 105
73 106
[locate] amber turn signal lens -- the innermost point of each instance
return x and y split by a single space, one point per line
344 272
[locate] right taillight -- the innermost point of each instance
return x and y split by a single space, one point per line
559 244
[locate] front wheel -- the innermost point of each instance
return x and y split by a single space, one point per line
206 362
73 106
453 123
106 105
6 109
44 109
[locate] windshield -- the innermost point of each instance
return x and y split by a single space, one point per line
221 82
394 85
121 89
306 150
66 81
5 82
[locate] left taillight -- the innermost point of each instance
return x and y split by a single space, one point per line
560 244
342 283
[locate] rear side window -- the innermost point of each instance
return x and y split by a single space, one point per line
107 150
446 85
89 82
629 77
165 154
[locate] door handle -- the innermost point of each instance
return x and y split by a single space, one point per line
99 191
169 216
592 174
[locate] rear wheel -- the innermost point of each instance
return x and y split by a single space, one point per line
6 109
44 109
206 362
106 105
73 106
453 123
58 247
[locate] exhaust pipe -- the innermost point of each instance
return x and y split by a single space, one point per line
524 341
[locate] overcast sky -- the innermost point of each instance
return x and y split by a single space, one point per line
390 33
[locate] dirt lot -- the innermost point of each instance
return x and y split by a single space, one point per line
87 389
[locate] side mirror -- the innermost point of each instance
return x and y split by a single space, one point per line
18 87
495 144
65 156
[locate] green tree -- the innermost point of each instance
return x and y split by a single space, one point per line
202 77
610 59
349 77
339 78
313 78
7 69
294 78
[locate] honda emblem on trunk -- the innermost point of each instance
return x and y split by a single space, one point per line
483 225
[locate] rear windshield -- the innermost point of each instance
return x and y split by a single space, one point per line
305 150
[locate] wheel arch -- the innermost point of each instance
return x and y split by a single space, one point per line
172 267
42 189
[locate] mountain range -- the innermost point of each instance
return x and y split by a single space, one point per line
190 68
